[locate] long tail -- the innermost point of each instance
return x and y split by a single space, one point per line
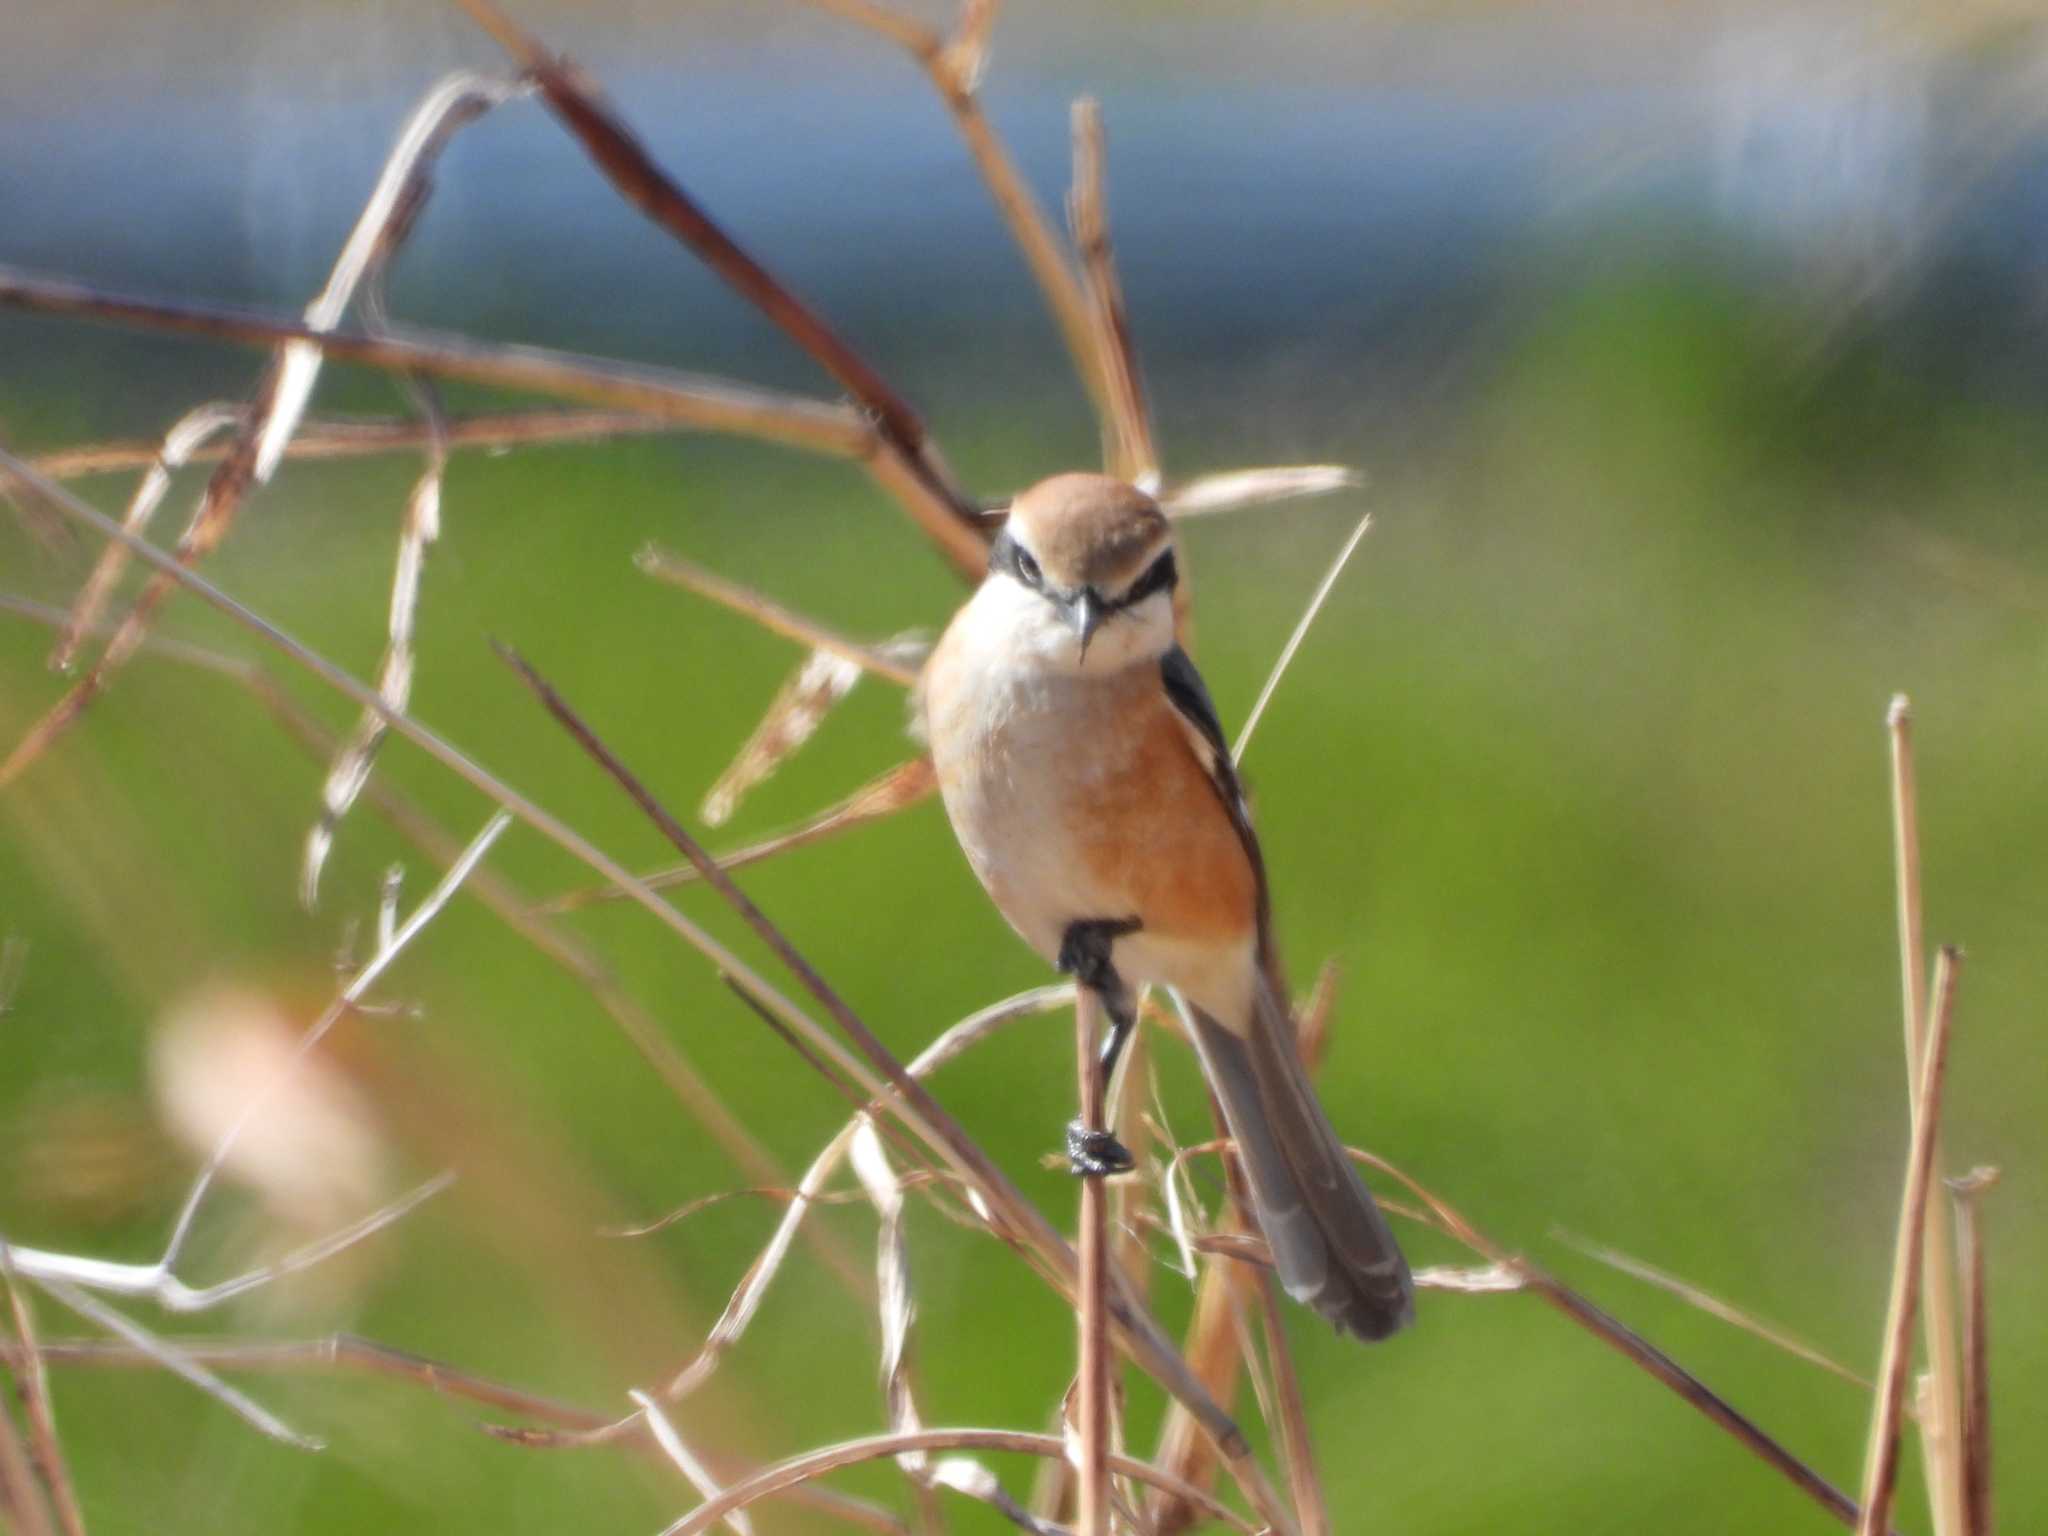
1330 1243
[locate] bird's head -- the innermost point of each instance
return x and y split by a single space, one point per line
1086 564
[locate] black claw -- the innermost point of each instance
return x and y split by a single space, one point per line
1096 1154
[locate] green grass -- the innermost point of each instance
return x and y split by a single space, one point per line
1581 779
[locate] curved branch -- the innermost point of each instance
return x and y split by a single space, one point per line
849 1453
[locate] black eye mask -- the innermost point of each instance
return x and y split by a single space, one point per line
1006 555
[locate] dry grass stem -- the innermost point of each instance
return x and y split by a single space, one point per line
367 1357
955 72
1234 490
325 438
901 787
22 1500
342 1350
158 1284
1214 1350
1092 1415
1712 1305
32 1385
896 1311
1881 1459
833 1458
350 770
1297 1446
388 217
429 908
1617 1335
682 400
886 661
1128 449
1942 1426
186 437
1968 1193
746 1300
1301 629
793 716
937 504
693 1470
172 1358
1440 1214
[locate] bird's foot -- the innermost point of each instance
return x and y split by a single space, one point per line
1085 951
1096 1154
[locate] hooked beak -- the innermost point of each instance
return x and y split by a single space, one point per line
1086 615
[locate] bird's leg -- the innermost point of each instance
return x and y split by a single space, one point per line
1084 954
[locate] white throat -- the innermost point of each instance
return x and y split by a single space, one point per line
1010 620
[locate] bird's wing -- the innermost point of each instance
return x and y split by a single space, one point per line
1189 696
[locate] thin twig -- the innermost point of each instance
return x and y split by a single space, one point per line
1440 1214
1968 1194
331 437
853 1452
350 1352
157 1283
680 399
746 1300
901 787
1091 1300
350 768
939 506
1233 490
1127 426
1712 1305
1213 1351
22 1500
955 72
429 908
32 1381
896 1311
1297 1449
793 716
1881 1458
188 434
173 1359
693 1470
1627 1341
1942 1429
342 1351
1301 629
770 615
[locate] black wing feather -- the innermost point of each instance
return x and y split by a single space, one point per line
1189 696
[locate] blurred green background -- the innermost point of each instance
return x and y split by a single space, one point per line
1695 367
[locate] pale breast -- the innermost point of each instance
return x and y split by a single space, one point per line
1078 796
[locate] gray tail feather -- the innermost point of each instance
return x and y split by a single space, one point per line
1330 1243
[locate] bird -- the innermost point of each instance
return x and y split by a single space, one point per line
1089 782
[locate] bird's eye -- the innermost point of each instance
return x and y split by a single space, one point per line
1027 568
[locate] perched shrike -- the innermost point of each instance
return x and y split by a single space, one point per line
1090 784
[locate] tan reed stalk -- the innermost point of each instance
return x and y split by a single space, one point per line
32 1386
1968 1193
1942 1431
1091 1291
1881 1456
1129 450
